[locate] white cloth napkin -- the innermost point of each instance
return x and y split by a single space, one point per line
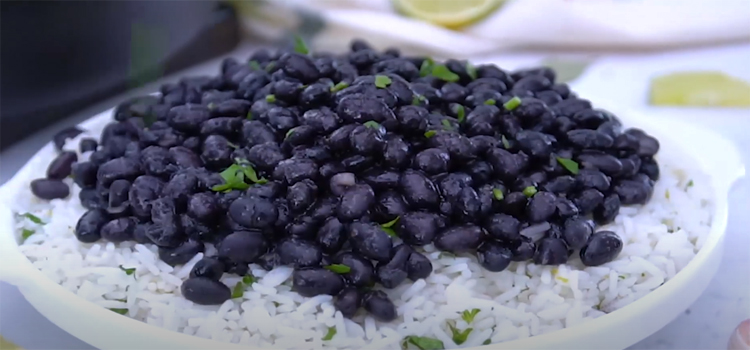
610 24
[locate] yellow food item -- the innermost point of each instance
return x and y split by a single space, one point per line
699 89
448 13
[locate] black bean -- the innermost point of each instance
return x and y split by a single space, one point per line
585 138
118 197
633 192
379 306
541 207
397 153
299 253
181 254
188 118
167 231
459 239
560 185
294 170
253 212
602 247
143 191
576 232
49 189
355 202
551 251
116 169
242 246
392 273
650 168
506 165
310 282
535 144
205 291
514 203
370 240
590 178
348 302
606 163
61 167
587 200
88 228
523 249
210 268
418 266
418 190
493 256
503 227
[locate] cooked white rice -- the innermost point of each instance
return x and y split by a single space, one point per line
523 301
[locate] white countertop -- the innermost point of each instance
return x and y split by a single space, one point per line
706 325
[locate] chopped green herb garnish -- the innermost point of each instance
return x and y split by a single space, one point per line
443 73
447 125
382 81
490 102
666 194
460 112
35 219
254 65
26 233
211 106
425 343
530 191
238 291
487 342
339 268
512 104
459 337
468 315
249 115
248 279
128 271
372 125
568 164
506 143
233 145
276 303
417 99
622 277
249 171
690 184
120 311
430 133
498 194
299 46
270 66
389 231
289 133
330 334
390 223
426 68
340 86
471 71
271 98
234 177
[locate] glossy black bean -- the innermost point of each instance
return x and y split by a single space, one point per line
418 266
348 302
293 170
459 239
91 199
118 197
650 168
541 207
505 164
602 247
396 153
535 144
587 200
242 246
205 291
253 212
143 191
379 306
585 138
551 251
370 241
184 158
62 136
88 228
331 236
608 210
118 230
576 232
61 167
514 203
560 185
310 282
606 163
323 119
167 230
590 178
49 189
210 268
188 118
299 253
84 174
355 202
116 169
300 67
633 192
503 227
522 249
418 228
392 273
493 256
388 206
418 190
181 254
432 161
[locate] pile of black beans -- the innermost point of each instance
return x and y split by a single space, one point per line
331 157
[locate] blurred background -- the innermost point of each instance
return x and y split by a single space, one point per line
62 62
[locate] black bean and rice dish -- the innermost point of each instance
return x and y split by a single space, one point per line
302 200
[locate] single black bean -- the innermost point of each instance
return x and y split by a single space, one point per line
63 135
88 228
541 207
243 246
602 247
418 228
608 210
370 241
61 167
119 230
48 189
253 212
551 251
348 302
459 239
181 254
299 253
310 282
576 232
355 202
503 227
493 256
205 291
587 200
379 306
118 197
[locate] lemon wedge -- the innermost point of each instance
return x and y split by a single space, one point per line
448 13
699 89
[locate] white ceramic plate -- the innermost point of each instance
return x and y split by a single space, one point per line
104 329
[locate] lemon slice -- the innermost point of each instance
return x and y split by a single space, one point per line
447 13
699 89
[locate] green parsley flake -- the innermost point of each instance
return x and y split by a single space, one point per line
372 124
26 233
425 343
447 125
238 291
417 100
506 143
254 65
235 146
390 223
249 116
468 315
568 164
339 268
460 112
211 106
430 133
490 102
471 71
498 194
487 342
128 271
299 46
690 183
35 219
512 104
329 335
120 311
426 68
389 231
340 86
248 279
443 73
382 81
270 66
530 191
270 98
459 337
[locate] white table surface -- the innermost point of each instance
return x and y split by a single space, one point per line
706 325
